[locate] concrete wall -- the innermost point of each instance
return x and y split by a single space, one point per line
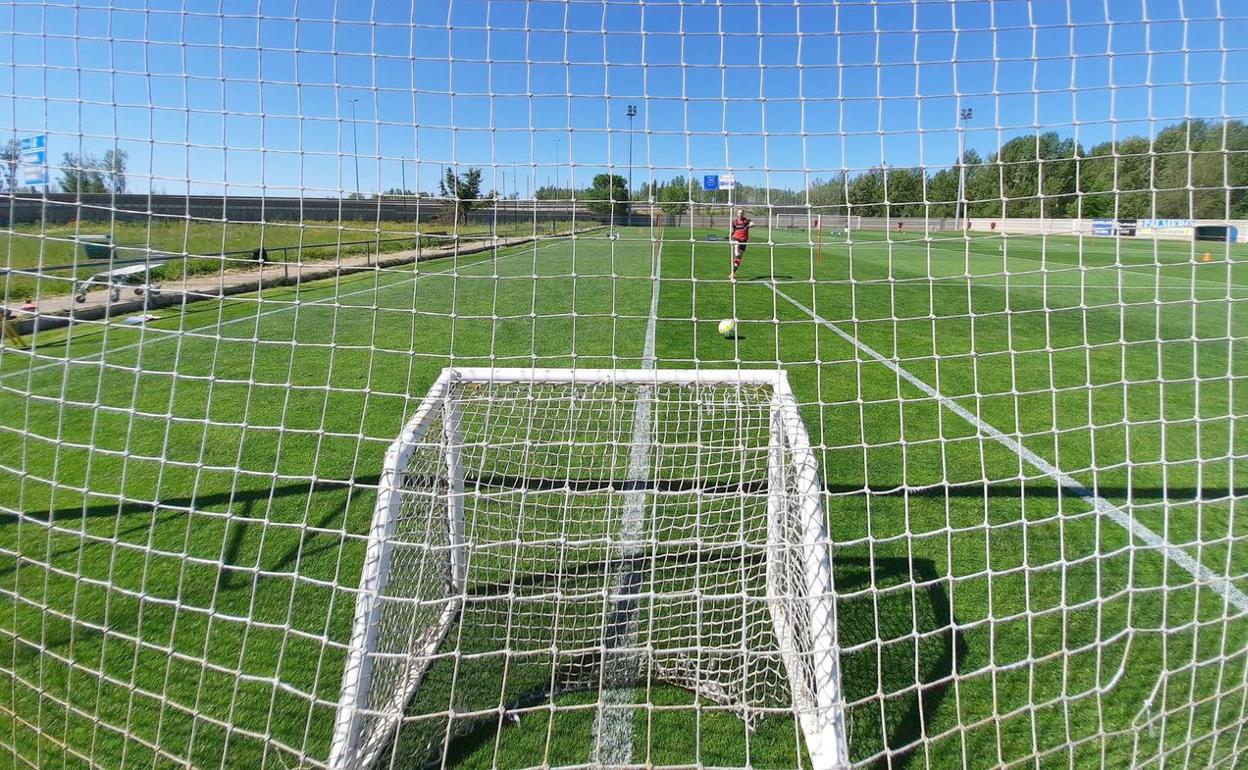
60 208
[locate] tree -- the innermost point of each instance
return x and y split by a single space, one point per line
1236 143
114 170
464 188
81 174
942 193
982 186
674 197
608 195
1132 179
10 157
829 194
866 193
905 192
552 193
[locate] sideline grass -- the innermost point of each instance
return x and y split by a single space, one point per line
190 506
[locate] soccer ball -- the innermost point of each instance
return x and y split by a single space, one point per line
727 327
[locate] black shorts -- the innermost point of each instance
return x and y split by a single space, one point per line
739 248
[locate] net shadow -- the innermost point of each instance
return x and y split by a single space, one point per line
438 732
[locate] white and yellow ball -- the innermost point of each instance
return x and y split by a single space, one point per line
727 327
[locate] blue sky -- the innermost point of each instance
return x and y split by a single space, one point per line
250 96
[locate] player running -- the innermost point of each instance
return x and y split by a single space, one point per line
740 239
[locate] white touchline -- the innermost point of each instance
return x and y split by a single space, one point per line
1143 271
177 333
1176 555
614 722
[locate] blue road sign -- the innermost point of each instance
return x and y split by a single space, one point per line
34 168
710 182
34 160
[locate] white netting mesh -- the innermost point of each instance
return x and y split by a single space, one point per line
997 248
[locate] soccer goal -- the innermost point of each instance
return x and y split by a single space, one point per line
836 223
594 532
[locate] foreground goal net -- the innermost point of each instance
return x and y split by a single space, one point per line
544 532
663 384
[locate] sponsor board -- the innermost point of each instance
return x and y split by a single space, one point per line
1111 227
1173 227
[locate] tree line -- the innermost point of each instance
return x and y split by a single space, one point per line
1195 169
84 173
79 172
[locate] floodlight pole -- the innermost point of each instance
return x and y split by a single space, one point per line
557 141
632 113
355 144
403 173
965 114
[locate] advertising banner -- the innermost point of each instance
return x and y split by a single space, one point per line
1111 227
1175 228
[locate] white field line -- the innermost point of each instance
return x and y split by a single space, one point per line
613 726
1167 282
173 334
1164 282
1140 270
1177 556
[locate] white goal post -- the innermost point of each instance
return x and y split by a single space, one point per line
500 503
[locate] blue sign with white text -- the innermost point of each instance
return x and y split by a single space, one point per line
34 160
710 182
34 168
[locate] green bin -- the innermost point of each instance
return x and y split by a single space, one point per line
98 248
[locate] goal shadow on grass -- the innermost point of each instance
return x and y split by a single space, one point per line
895 612
136 519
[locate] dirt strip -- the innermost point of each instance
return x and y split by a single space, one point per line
61 310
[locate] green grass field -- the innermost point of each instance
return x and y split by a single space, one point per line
184 504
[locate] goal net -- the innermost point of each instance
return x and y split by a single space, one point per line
544 532
935 459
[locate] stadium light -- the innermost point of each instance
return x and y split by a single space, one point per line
960 208
632 113
557 141
355 144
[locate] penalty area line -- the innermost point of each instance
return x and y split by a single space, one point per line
1172 553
